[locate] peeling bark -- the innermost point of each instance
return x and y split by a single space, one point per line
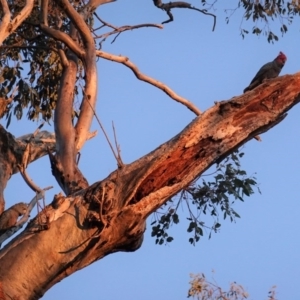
110 215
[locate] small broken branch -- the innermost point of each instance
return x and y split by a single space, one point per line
125 61
116 144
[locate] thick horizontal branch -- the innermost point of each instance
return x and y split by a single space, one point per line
125 61
110 215
211 137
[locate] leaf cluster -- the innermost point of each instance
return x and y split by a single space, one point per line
30 66
201 288
262 13
214 197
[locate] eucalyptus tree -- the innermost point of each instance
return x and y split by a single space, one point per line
55 41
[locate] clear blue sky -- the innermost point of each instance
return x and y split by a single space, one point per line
262 248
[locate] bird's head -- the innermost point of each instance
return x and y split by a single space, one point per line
281 58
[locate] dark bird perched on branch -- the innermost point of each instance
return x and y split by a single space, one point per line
10 216
267 71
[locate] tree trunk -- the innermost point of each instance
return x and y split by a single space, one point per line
110 215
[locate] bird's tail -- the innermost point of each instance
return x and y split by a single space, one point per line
246 89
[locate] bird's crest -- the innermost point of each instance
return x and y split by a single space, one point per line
281 56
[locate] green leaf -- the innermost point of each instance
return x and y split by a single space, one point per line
169 239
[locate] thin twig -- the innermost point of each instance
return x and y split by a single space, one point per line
116 143
118 30
121 29
125 61
119 161
203 11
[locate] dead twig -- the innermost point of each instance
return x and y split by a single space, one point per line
180 4
116 142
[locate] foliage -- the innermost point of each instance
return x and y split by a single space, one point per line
30 64
264 12
214 197
202 289
31 68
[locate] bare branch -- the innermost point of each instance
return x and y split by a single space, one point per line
104 22
6 27
180 4
125 61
